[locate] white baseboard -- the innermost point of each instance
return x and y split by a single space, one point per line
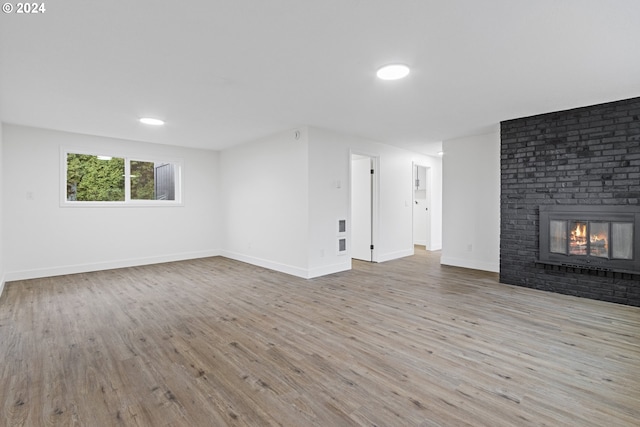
290 269
329 269
470 263
395 255
110 265
271 265
1 284
107 265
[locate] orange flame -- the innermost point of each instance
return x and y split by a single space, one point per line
581 230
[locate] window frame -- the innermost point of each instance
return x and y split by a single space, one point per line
128 158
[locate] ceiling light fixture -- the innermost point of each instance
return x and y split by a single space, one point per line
393 72
150 121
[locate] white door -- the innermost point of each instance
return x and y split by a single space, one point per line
361 207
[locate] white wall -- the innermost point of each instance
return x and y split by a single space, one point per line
329 160
274 202
264 197
436 180
282 198
329 180
1 210
41 238
471 202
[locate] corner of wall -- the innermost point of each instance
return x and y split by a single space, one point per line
472 264
471 202
2 277
264 195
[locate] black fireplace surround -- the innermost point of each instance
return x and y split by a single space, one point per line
601 238
578 167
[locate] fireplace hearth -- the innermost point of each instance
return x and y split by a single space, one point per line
603 238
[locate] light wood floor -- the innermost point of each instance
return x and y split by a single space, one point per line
215 342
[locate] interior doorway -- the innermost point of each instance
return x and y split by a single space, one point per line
362 207
421 206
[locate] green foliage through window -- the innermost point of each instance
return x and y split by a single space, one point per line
94 178
142 180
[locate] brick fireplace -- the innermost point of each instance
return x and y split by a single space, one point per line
569 161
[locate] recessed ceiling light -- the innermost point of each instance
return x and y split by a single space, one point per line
150 121
440 153
393 72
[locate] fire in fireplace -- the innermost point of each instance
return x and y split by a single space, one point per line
591 237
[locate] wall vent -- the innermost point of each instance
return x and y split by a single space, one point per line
342 245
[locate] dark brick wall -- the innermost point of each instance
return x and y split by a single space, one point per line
588 156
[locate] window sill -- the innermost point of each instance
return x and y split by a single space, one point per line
132 204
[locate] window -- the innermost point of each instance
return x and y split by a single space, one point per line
93 179
152 180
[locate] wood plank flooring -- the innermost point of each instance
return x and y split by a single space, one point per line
215 342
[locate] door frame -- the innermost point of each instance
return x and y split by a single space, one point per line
429 191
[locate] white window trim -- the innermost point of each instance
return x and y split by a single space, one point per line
127 179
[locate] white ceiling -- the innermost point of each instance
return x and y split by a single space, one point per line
226 72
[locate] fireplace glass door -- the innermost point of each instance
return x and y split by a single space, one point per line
577 238
558 236
611 240
622 240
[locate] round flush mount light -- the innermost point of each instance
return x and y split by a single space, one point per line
393 72
150 121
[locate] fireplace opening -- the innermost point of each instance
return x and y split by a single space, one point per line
591 237
611 240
